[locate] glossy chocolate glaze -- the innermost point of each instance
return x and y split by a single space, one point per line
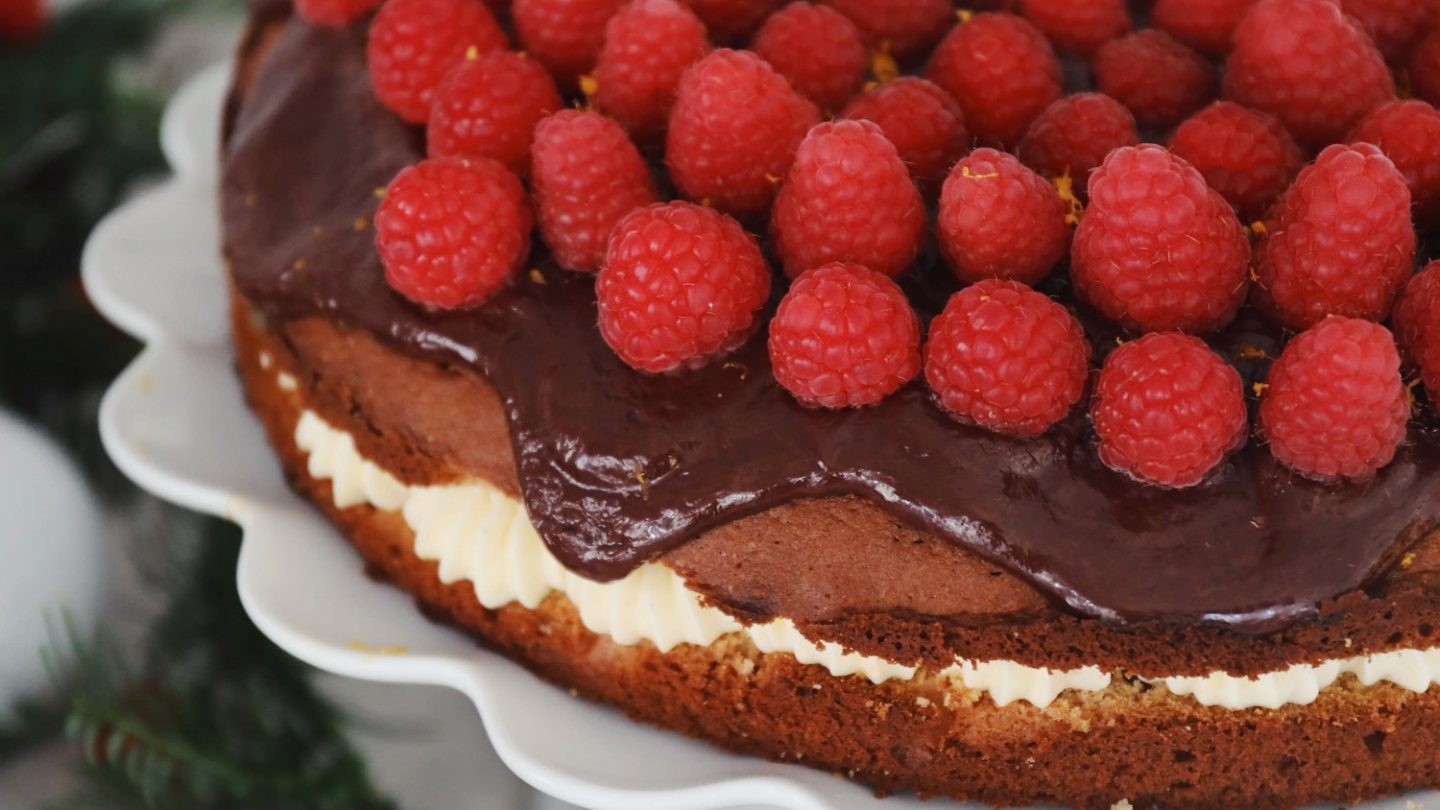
616 467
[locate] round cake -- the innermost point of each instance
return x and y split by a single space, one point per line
961 403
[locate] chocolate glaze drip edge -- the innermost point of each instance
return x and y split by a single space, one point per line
617 467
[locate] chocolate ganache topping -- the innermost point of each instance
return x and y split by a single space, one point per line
617 466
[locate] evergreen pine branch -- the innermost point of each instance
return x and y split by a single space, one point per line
217 716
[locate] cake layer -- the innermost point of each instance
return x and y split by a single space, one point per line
841 569
618 468
929 732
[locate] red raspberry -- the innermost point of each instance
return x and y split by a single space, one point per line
1309 65
1073 135
1006 358
1395 25
1408 132
1001 70
414 43
587 176
1080 26
904 28
1160 80
1244 154
818 49
1336 406
488 107
1167 410
681 284
451 231
333 13
648 45
847 198
22 21
564 35
734 130
732 20
1425 68
999 219
1339 242
1158 250
1205 25
844 336
923 122
1417 326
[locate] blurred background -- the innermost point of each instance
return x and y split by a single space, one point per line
130 676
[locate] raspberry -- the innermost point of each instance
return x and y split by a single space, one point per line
648 45
1395 25
999 219
1006 358
1205 25
1417 326
681 284
1073 135
1244 154
1158 250
1425 68
1408 132
904 28
1160 80
734 130
488 107
1001 71
1167 410
1310 66
844 336
923 122
1339 242
1080 26
732 20
818 49
414 43
451 231
564 35
22 21
587 176
333 13
847 198
1336 406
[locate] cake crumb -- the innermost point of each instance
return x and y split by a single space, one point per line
370 649
1407 561
1123 804
286 382
922 702
265 360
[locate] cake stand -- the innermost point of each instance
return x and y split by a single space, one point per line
175 422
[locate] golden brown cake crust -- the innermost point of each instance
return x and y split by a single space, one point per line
1130 741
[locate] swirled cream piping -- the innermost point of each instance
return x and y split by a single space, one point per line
475 532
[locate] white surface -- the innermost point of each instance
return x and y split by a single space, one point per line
175 422
52 556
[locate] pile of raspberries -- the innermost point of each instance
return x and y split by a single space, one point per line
1232 154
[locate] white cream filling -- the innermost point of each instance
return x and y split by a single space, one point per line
1414 670
476 532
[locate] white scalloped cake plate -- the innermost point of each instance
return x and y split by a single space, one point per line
176 423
